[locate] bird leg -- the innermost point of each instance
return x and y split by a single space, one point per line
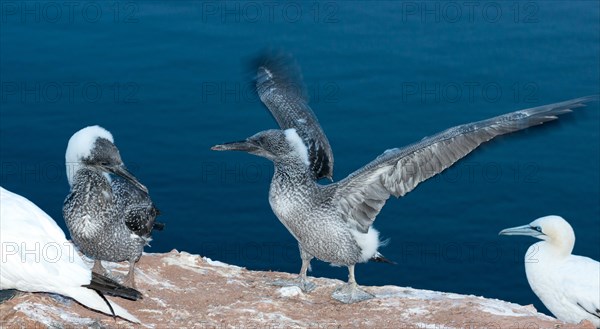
350 292
302 280
129 279
99 269
305 285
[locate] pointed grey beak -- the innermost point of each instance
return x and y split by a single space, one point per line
245 146
527 230
123 172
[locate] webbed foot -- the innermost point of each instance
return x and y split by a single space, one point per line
129 280
302 283
350 293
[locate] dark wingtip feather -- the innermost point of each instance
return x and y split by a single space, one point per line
158 226
539 115
379 258
112 311
279 67
104 285
590 98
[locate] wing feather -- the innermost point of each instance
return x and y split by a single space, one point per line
396 172
581 284
139 212
280 87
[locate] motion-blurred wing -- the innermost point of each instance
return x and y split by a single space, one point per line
279 86
396 172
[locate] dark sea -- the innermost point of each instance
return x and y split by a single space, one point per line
171 79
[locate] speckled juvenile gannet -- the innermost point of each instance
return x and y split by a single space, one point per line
36 257
334 222
568 285
109 213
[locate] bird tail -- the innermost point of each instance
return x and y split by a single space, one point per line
110 287
158 226
379 258
93 300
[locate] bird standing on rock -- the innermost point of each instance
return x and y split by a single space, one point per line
36 257
334 222
109 213
568 285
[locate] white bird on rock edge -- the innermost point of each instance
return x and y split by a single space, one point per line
568 285
36 257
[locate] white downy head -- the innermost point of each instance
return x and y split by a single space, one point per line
80 146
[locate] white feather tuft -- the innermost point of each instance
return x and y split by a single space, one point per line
368 243
297 144
80 146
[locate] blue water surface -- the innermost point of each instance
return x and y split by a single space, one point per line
170 79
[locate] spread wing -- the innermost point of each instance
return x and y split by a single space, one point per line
279 86
396 172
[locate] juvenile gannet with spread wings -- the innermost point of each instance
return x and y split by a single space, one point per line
36 257
567 284
334 222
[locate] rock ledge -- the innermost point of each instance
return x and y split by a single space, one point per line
188 291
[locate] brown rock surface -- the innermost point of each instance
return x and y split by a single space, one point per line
187 291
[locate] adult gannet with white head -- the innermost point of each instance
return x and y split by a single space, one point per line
334 222
36 257
109 213
568 285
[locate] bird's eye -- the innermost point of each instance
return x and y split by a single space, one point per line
537 228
